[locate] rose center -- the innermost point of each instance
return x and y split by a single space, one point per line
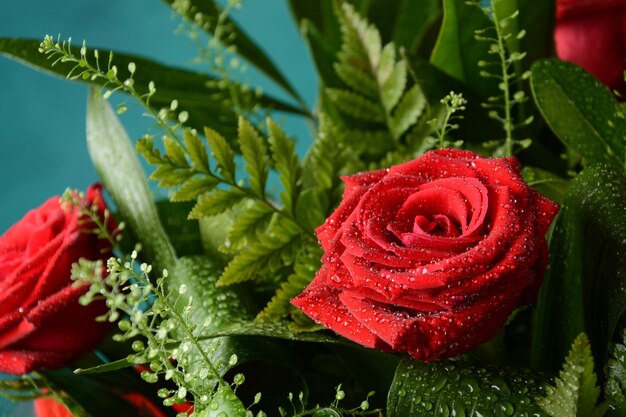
439 225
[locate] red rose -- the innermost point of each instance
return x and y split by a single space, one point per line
42 325
46 407
431 256
592 34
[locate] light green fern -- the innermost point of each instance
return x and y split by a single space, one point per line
575 393
377 91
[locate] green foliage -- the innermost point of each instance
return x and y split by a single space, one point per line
454 388
583 290
575 392
615 386
581 112
374 87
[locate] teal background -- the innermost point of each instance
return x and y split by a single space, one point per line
42 118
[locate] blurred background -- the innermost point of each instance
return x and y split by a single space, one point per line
42 140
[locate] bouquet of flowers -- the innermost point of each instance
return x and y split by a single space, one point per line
410 263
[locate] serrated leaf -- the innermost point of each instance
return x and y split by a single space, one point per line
367 34
145 147
194 187
279 330
356 79
114 158
215 202
584 287
356 105
268 251
171 176
580 111
249 224
255 155
575 392
175 152
197 151
454 388
408 111
615 387
286 162
222 152
393 86
223 403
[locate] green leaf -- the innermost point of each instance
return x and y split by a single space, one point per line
247 226
215 202
615 388
454 388
357 80
286 162
255 155
575 392
222 152
105 367
175 152
244 45
223 403
197 151
268 252
408 111
583 290
114 158
580 111
393 84
457 52
356 105
546 182
194 187
190 89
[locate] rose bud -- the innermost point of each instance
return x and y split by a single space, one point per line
592 34
430 257
42 324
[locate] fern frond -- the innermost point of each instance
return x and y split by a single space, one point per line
287 164
255 156
575 393
615 388
216 202
249 225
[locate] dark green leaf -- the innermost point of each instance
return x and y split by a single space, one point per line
114 158
223 403
583 290
580 111
245 46
182 232
457 52
105 367
206 106
547 183
448 388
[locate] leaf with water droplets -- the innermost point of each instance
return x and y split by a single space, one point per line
223 404
615 388
451 388
580 111
584 289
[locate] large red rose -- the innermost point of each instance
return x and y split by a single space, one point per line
431 256
42 325
592 34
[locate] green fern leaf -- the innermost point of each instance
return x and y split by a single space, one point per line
171 176
576 392
279 306
145 147
356 105
370 142
408 111
223 154
197 151
393 87
387 63
249 224
215 202
286 162
255 155
193 188
357 79
268 252
367 34
615 388
175 152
